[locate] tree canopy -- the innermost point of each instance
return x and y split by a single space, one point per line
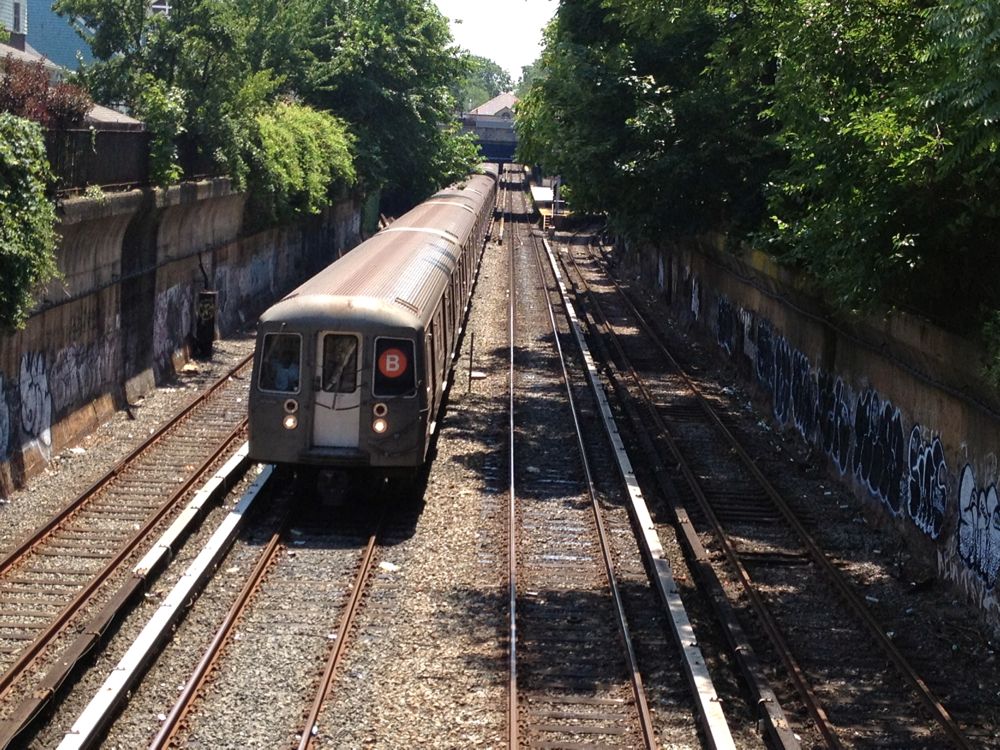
204 74
857 141
483 81
386 67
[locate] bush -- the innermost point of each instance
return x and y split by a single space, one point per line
27 219
301 154
26 90
161 107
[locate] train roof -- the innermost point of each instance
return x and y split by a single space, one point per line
402 271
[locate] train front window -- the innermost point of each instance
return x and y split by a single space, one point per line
395 368
281 363
340 363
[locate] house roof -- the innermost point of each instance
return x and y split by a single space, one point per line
98 116
28 55
111 119
496 105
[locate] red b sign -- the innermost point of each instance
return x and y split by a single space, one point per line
392 363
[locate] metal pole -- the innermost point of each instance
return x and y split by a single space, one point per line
472 349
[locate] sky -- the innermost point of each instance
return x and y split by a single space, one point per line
508 32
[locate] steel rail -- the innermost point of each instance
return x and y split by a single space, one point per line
638 690
171 725
715 725
777 724
346 622
843 587
43 531
30 707
29 653
512 698
86 731
774 634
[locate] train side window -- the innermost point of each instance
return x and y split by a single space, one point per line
449 313
340 363
281 363
429 368
441 343
442 329
395 368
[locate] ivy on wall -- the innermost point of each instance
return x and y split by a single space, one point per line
27 219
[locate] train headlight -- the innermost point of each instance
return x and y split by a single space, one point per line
290 422
380 426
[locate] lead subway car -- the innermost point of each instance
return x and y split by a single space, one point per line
351 367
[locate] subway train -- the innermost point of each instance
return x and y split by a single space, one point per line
350 368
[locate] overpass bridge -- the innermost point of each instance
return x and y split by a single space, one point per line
493 125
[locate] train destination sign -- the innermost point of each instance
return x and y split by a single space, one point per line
392 363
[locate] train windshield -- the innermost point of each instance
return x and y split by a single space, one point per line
395 370
340 363
281 363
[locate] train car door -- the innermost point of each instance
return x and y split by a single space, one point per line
337 413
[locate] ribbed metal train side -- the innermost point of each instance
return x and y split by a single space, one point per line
351 367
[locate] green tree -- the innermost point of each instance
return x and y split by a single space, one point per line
194 57
484 80
386 67
627 92
302 154
529 73
204 74
847 204
27 219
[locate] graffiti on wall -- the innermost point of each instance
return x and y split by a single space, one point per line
242 288
979 527
81 372
928 483
880 449
834 415
727 321
172 316
36 402
695 297
863 433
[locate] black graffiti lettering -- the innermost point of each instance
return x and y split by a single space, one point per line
765 356
979 527
726 321
928 485
805 398
879 450
834 419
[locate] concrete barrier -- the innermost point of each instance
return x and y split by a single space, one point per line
895 404
122 315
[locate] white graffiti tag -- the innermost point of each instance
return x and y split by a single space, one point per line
36 401
979 527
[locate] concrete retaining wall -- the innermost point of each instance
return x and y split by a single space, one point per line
122 315
894 404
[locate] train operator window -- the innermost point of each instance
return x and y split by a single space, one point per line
340 363
281 362
395 368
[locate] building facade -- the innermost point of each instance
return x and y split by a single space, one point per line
52 36
493 125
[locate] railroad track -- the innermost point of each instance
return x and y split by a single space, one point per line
52 577
575 675
278 577
810 624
